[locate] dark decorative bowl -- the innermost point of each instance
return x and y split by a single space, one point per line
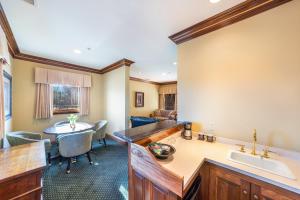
160 150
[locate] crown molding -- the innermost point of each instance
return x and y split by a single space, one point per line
11 41
116 65
168 83
16 53
37 59
143 80
151 82
235 14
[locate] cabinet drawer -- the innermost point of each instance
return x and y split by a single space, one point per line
20 185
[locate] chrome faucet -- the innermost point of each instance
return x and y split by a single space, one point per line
254 143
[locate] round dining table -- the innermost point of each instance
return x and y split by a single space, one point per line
65 128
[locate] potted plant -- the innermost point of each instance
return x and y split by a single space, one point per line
72 119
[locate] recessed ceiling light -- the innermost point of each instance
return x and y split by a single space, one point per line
174 63
214 1
77 51
164 74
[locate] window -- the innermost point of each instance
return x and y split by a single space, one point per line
7 95
170 101
65 99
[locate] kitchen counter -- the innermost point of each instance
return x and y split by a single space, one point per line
191 154
141 132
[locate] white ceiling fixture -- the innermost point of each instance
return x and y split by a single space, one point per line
174 63
77 51
214 1
32 2
137 30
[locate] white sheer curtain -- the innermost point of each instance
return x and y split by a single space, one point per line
44 104
2 115
84 100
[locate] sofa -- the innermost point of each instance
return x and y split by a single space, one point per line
164 114
141 121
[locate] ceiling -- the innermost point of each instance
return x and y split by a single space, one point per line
106 31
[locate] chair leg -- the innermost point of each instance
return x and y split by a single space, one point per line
69 166
60 160
104 142
89 157
49 159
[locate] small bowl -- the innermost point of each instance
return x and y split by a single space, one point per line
166 150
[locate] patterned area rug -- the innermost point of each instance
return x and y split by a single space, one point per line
105 179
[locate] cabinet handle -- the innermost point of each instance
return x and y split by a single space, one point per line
255 196
245 192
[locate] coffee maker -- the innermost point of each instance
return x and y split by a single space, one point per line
187 132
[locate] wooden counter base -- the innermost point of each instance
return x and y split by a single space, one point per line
149 180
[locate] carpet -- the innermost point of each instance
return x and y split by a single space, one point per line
107 178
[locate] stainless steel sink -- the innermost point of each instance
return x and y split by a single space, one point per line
269 165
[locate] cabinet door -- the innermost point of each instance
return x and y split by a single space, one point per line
268 194
143 189
225 185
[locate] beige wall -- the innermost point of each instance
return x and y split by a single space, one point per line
116 99
24 98
150 98
245 76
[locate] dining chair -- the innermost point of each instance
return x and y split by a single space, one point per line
22 137
99 133
75 144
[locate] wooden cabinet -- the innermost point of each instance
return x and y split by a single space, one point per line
225 184
21 169
144 189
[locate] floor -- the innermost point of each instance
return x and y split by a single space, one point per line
105 179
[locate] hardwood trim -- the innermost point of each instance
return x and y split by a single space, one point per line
11 41
235 14
37 59
16 53
143 80
116 65
168 83
151 82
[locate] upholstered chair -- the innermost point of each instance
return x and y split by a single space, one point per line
75 144
21 137
99 133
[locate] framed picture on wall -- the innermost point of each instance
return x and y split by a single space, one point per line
7 95
139 99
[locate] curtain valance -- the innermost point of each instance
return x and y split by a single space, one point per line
168 89
48 76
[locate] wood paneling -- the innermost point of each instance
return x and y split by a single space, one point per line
235 14
143 162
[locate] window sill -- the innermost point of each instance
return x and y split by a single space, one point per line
66 111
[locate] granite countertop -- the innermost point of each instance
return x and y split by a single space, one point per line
141 132
191 154
22 159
